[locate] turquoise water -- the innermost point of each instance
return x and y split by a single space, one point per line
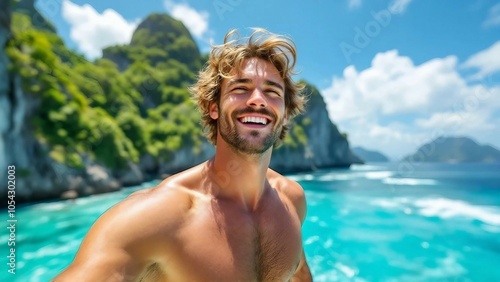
377 222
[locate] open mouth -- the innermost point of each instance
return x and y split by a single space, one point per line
253 121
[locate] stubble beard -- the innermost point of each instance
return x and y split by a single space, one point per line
232 137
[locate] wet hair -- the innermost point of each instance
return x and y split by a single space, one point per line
276 49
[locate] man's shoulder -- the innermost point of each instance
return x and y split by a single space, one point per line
164 206
131 231
180 188
289 187
292 190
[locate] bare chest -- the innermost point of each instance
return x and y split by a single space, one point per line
223 243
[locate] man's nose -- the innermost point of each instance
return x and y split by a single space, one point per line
257 99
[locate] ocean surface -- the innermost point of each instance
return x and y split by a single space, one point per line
374 222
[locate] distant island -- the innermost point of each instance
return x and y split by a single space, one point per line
455 150
369 156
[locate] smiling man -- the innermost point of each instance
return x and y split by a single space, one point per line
231 218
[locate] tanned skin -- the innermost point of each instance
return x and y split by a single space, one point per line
230 218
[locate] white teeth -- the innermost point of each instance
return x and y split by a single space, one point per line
254 120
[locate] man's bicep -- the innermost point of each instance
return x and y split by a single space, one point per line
103 254
108 265
101 257
122 242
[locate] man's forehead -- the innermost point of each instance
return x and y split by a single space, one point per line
256 68
257 63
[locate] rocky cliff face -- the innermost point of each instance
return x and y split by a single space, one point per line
39 177
5 93
326 146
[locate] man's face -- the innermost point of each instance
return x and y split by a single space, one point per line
251 111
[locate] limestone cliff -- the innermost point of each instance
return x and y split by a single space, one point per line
326 146
119 112
37 176
5 92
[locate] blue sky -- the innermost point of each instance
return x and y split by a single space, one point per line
394 73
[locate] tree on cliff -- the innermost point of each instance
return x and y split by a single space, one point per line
130 106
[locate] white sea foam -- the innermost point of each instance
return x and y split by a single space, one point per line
39 220
348 271
327 276
425 245
441 207
341 175
337 176
314 218
311 240
344 176
57 206
400 202
301 177
408 211
378 174
446 208
491 228
328 243
366 167
37 273
409 181
448 267
52 250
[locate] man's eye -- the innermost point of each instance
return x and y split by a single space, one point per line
273 92
240 89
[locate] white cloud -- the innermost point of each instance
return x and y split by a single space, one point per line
460 121
493 16
92 31
195 21
399 6
486 61
395 106
353 4
393 85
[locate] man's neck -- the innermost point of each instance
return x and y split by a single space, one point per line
238 176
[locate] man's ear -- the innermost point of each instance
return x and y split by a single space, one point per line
285 119
214 111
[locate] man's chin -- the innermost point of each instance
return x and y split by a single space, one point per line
252 146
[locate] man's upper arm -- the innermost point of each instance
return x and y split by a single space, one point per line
102 255
303 273
297 196
120 244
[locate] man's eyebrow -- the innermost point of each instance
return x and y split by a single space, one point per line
238 80
248 80
275 84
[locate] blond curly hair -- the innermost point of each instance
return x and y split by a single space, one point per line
262 44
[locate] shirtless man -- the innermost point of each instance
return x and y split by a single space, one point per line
230 218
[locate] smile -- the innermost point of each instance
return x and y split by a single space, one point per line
254 120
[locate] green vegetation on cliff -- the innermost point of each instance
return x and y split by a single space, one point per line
93 109
132 102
